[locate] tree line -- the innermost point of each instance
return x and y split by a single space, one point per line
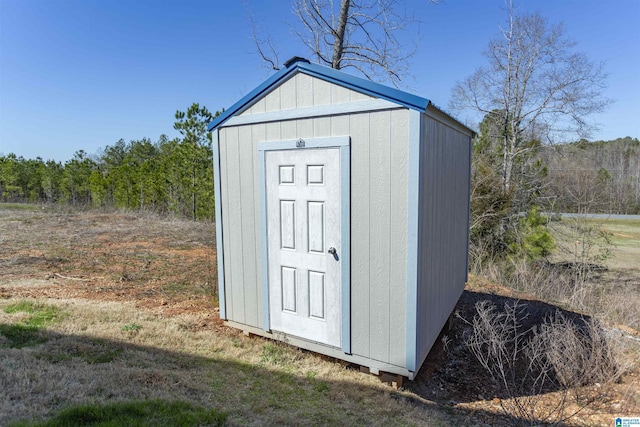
600 176
176 175
168 175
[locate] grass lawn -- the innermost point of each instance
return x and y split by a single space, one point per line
625 236
90 357
109 318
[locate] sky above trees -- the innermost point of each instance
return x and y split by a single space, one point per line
82 74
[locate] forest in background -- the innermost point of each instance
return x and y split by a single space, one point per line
594 177
166 176
176 175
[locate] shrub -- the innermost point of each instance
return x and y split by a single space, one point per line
558 355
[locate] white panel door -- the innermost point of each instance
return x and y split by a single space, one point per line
303 229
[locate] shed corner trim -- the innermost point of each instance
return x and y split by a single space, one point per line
218 212
413 256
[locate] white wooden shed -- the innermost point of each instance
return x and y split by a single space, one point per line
342 216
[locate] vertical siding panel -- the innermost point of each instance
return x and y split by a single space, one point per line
304 128
360 212
427 300
379 233
224 187
258 133
234 219
288 129
321 92
357 96
321 126
399 234
438 263
273 131
272 101
288 94
304 90
259 107
339 94
448 273
424 140
247 191
339 125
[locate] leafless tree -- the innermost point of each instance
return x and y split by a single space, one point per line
606 171
359 34
540 84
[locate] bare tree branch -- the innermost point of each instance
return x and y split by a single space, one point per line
264 45
359 34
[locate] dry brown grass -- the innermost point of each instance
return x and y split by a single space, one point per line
256 382
141 323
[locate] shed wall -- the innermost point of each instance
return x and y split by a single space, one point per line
445 158
379 180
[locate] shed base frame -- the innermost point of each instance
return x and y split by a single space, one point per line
372 365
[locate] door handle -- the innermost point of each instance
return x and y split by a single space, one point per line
333 252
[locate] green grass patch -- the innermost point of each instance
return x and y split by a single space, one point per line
41 314
135 414
623 232
623 235
132 327
20 336
27 333
20 207
277 354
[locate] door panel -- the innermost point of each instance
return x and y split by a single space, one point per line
287 224
303 222
288 283
315 221
316 294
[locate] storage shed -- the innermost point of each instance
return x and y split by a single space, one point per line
342 216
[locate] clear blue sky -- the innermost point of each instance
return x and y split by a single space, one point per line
83 74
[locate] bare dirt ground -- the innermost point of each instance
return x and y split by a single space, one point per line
166 268
163 265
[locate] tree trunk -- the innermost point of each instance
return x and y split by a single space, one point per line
338 40
141 196
193 190
507 164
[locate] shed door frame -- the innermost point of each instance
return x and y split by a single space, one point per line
344 144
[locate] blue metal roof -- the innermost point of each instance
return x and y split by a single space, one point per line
358 84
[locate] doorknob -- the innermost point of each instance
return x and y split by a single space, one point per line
332 250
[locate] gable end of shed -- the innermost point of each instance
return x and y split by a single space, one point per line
322 73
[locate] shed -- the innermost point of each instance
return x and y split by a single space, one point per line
342 216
